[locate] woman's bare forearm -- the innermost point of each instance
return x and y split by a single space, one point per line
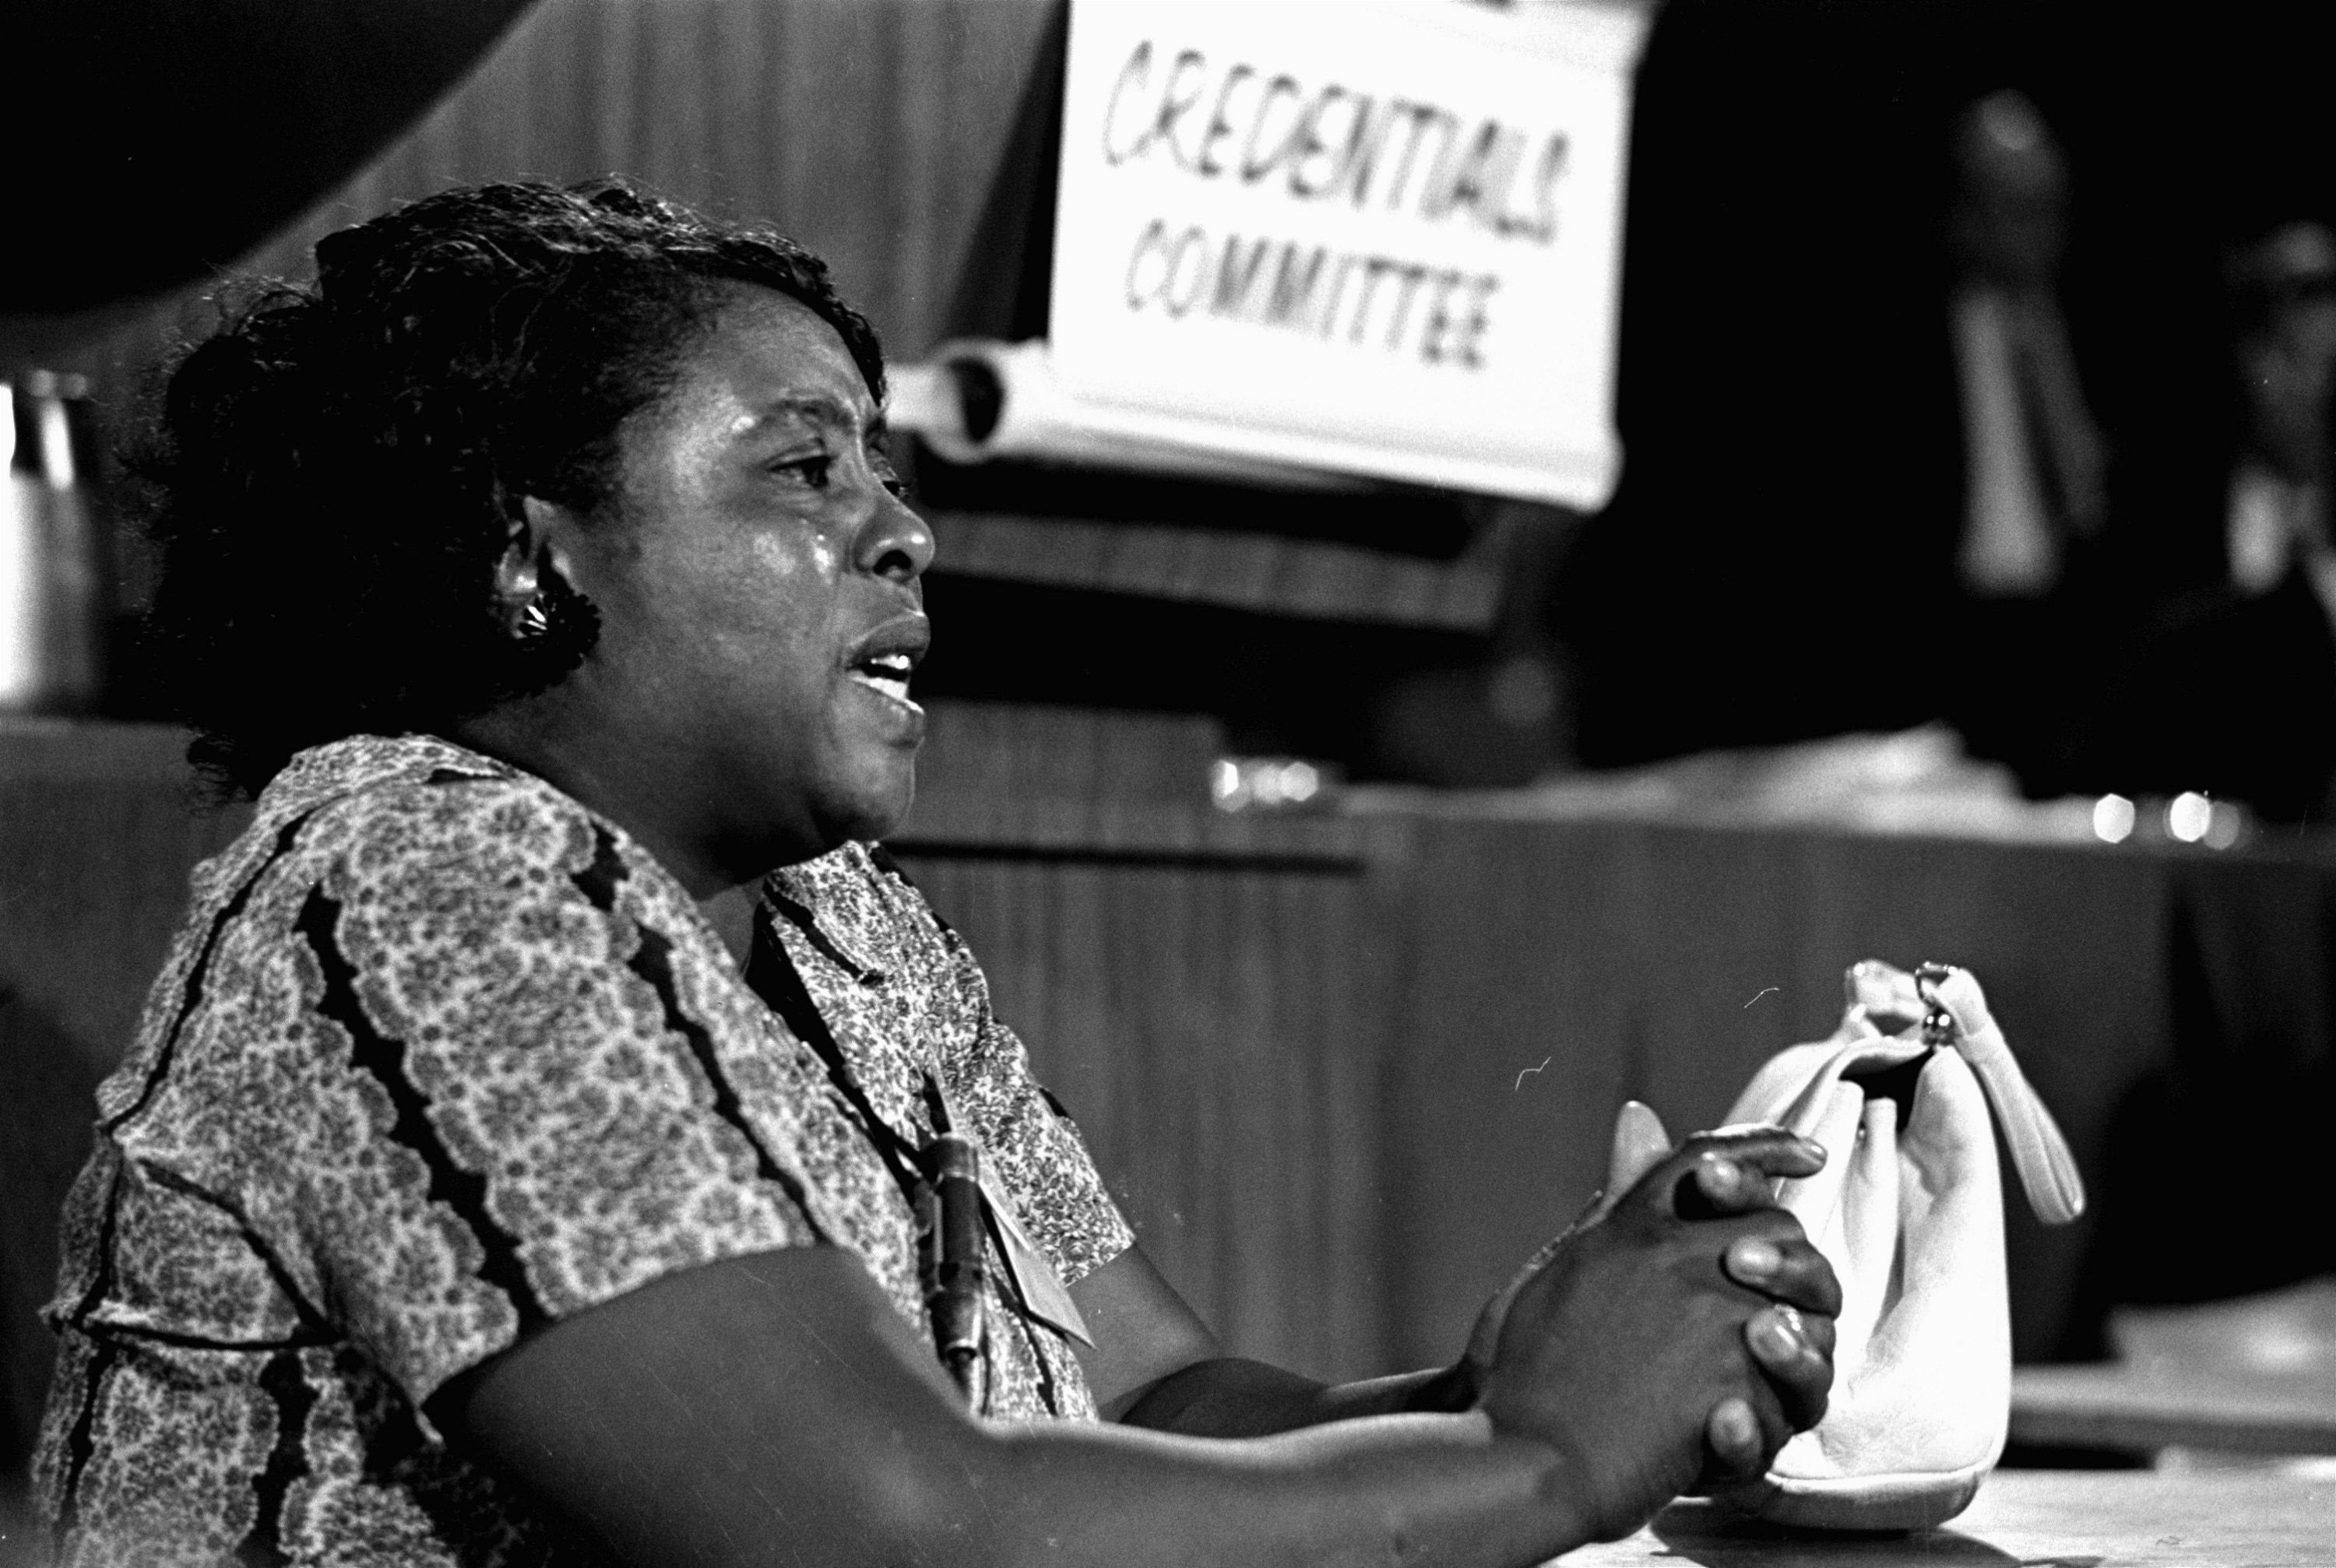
1418 1488
776 1410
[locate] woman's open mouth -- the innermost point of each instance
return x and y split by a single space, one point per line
888 673
883 659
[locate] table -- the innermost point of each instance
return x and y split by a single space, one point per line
2257 1373
2140 1409
2253 1518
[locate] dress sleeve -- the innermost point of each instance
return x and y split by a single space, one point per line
530 1093
1034 1143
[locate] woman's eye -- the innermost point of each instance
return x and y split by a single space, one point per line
895 485
814 470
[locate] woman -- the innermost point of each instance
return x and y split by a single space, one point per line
495 1179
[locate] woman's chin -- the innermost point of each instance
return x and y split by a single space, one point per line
877 797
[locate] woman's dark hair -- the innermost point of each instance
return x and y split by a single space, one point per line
338 470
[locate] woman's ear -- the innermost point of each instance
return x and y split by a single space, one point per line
542 539
518 579
544 519
541 607
534 565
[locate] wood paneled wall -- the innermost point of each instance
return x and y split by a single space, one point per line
1211 1027
1552 970
96 837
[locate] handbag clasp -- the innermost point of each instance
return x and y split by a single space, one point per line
1939 1027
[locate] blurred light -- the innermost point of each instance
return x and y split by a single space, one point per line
2010 121
2227 826
2113 819
2188 816
56 440
1263 783
1226 786
19 646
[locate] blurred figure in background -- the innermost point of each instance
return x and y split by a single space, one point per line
2035 461
2283 297
2235 693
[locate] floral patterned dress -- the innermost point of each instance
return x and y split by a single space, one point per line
439 1055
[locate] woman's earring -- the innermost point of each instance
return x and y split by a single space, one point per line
520 593
548 625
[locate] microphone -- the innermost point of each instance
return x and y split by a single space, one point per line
954 1296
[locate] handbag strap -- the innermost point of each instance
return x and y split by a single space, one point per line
2047 1169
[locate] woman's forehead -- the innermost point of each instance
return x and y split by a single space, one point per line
776 356
764 372
795 406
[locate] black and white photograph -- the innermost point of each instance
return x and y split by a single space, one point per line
1167 784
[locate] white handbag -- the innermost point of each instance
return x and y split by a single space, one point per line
1909 1210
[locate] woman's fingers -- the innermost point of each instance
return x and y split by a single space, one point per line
1717 1184
1798 1368
1640 1145
1717 1173
1744 1433
1788 1270
1738 1451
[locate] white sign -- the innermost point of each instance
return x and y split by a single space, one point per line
1382 236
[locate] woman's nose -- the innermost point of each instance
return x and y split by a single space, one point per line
894 542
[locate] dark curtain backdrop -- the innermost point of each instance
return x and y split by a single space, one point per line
874 132
1778 561
158 141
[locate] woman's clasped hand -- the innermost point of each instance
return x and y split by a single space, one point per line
1625 1345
